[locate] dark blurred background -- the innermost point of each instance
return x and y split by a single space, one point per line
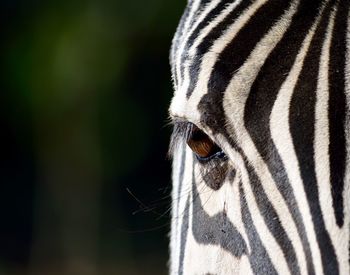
84 179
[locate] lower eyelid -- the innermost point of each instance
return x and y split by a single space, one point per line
219 155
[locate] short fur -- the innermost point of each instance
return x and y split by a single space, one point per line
269 82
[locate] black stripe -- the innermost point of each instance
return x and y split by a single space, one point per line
260 261
184 231
217 10
232 58
337 109
302 126
209 40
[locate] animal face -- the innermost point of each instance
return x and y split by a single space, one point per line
260 112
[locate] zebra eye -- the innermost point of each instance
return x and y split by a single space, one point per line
203 147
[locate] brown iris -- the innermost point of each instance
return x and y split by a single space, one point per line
201 144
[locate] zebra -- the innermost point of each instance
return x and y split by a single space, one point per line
260 141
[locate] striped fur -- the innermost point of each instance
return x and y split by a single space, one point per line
269 82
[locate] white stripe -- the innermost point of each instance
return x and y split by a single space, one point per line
174 213
175 241
322 133
279 125
175 209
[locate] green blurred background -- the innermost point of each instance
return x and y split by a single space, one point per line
84 179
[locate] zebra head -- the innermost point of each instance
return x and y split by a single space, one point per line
261 138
